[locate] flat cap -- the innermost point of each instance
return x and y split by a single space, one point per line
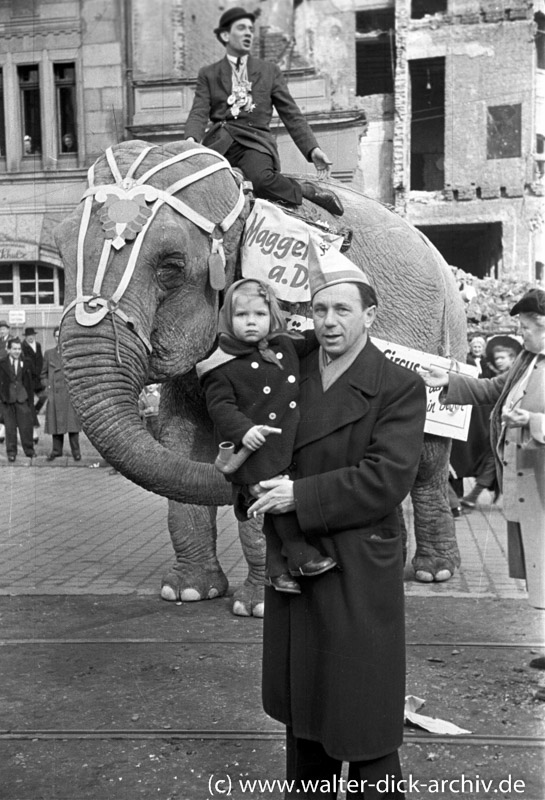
232 15
4 323
533 302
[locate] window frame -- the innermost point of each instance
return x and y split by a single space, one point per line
58 284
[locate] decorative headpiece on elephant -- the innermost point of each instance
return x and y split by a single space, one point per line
146 255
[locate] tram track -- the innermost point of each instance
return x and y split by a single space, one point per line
502 740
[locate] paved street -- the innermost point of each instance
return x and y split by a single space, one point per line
73 528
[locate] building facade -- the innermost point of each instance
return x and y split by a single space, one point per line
62 102
435 107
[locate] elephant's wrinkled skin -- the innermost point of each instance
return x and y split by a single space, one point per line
170 301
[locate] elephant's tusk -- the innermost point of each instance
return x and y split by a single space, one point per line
227 461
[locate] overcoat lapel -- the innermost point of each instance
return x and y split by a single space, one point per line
347 399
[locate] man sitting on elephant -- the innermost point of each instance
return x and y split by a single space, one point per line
238 94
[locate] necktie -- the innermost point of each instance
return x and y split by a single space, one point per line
239 63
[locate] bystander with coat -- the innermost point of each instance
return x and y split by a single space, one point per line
16 400
60 417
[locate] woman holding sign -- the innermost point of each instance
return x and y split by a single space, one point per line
517 432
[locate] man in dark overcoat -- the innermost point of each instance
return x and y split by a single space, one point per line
32 352
16 400
60 416
238 95
334 656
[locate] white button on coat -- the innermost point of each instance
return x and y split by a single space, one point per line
291 379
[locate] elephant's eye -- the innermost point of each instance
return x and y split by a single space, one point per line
170 274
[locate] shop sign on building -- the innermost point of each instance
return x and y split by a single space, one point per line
18 251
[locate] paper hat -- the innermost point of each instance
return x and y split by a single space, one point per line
532 302
327 266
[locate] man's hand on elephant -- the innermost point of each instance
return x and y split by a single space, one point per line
277 499
253 439
434 377
322 162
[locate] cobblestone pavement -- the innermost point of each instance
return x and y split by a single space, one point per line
73 528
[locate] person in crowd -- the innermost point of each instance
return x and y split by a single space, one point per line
237 95
32 352
474 457
148 407
477 356
334 656
517 430
17 399
4 337
60 417
252 381
503 358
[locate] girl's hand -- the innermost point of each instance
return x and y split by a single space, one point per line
254 439
434 377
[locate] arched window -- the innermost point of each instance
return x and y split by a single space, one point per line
31 283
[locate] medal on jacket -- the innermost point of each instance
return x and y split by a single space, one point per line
241 98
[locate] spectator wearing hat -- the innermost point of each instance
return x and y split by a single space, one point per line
334 655
237 95
32 352
517 432
60 417
16 399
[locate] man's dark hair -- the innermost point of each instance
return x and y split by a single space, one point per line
367 294
15 340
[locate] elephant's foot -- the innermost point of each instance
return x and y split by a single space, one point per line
191 583
249 600
423 576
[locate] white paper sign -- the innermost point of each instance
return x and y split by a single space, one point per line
275 249
441 420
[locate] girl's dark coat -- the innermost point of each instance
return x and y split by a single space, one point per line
334 656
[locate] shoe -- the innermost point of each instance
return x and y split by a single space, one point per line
2 433
77 458
11 458
52 456
315 567
470 500
322 197
456 512
283 583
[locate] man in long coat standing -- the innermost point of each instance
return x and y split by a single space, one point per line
60 417
16 400
334 656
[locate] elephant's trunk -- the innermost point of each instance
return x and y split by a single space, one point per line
105 396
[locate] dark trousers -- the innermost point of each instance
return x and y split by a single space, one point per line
58 440
308 761
259 168
287 547
18 416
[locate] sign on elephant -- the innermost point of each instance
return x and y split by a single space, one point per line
275 249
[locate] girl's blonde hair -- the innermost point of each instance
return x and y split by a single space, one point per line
251 287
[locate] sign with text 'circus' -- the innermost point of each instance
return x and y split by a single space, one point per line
275 249
451 421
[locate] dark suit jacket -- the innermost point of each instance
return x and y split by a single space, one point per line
334 662
250 128
36 360
8 382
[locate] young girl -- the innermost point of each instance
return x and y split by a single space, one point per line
250 381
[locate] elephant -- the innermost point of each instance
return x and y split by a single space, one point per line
146 255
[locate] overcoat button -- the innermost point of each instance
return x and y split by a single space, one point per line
280 356
254 365
293 404
520 474
272 415
291 378
504 463
506 441
266 390
521 499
